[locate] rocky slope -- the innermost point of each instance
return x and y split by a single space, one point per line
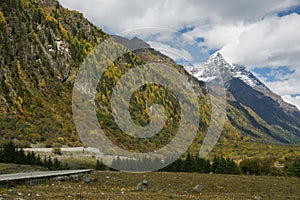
266 113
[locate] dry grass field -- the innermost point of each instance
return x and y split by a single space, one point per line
14 168
115 185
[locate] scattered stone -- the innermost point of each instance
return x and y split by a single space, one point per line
220 187
142 186
20 194
123 190
86 179
198 188
29 195
107 177
37 195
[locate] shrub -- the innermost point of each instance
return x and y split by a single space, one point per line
257 166
294 169
56 151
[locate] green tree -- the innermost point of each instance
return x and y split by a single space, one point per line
216 166
189 164
232 167
56 164
250 166
100 165
294 169
257 166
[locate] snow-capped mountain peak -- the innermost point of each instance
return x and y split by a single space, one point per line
218 60
216 66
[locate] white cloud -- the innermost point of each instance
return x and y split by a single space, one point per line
290 86
218 35
248 31
174 53
117 16
273 42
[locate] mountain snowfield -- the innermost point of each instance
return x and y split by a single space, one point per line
216 65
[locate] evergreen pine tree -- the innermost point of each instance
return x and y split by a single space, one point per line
189 164
216 165
203 165
100 165
295 168
56 164
49 163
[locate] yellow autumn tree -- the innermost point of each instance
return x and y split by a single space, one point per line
2 18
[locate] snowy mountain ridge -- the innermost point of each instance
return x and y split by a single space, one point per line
217 66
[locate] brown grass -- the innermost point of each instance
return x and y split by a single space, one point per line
14 168
115 185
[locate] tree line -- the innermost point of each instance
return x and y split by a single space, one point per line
191 163
218 165
11 154
265 166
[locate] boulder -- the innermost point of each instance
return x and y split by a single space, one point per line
142 186
198 188
86 179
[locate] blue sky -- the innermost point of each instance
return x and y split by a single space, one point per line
261 35
269 74
293 9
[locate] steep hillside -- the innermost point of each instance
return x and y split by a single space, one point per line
42 46
252 107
